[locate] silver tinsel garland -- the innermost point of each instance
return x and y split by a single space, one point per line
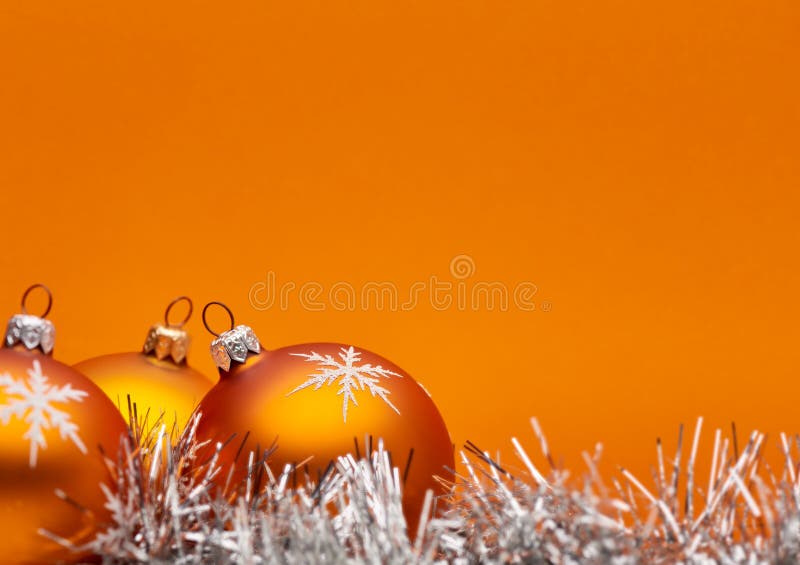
164 509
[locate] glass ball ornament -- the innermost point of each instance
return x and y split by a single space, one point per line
318 401
157 381
55 424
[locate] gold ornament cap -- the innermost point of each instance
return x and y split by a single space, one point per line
32 332
234 345
167 339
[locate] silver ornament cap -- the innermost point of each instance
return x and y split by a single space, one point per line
32 332
234 345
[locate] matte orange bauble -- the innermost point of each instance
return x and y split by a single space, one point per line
54 422
318 400
158 379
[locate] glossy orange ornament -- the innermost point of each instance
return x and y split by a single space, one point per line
318 400
158 379
53 424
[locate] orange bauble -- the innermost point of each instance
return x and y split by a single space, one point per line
158 380
318 400
53 424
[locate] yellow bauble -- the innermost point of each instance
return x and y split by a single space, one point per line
321 401
54 422
155 386
158 380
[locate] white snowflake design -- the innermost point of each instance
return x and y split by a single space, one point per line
350 377
32 400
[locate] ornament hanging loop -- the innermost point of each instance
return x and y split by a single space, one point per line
49 299
205 321
185 318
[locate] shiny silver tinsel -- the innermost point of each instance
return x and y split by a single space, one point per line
164 511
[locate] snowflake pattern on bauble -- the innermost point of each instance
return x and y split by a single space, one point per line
32 400
350 376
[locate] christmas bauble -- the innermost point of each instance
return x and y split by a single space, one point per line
54 422
321 401
157 380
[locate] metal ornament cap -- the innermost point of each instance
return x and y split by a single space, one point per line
32 332
234 345
163 341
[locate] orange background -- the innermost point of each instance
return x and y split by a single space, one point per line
636 161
